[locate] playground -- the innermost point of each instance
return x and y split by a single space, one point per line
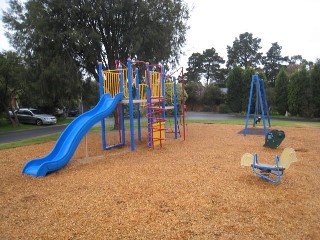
186 189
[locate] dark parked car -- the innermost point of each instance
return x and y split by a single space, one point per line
73 112
34 116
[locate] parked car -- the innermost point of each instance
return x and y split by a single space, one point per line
34 116
73 112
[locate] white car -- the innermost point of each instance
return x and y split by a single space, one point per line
34 116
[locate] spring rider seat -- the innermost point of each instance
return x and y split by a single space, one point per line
269 172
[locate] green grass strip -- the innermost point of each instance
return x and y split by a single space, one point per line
54 137
274 123
5 126
32 141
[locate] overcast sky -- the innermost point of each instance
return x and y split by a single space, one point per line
294 24
4 45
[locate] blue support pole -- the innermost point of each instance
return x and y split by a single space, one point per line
130 104
256 110
138 104
259 102
101 92
163 104
261 106
121 79
245 132
121 113
175 105
266 101
150 121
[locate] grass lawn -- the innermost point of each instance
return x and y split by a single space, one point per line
6 126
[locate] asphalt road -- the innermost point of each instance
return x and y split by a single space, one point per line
39 131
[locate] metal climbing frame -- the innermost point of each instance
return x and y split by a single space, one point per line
149 94
156 111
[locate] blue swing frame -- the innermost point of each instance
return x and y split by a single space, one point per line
265 169
261 100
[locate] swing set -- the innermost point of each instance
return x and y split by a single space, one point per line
261 103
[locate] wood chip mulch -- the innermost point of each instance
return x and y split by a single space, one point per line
192 189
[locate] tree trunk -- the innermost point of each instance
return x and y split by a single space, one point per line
14 120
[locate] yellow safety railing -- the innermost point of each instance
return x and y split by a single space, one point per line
143 91
111 84
155 84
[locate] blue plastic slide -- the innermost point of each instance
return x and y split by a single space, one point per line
71 137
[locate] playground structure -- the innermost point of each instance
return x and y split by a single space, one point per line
148 93
116 90
261 102
269 172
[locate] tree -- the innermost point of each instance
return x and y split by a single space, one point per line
170 96
12 82
195 92
297 59
195 67
89 92
299 93
273 62
212 96
315 86
211 66
296 63
100 30
222 81
57 82
235 84
61 41
244 51
245 89
281 90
